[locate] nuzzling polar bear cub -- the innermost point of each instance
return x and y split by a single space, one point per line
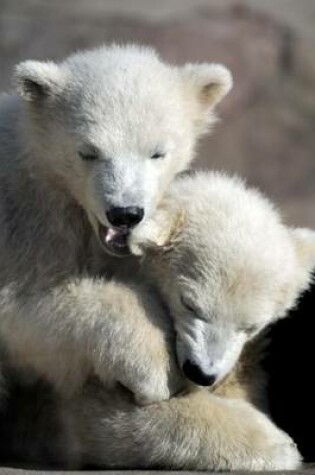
226 267
87 148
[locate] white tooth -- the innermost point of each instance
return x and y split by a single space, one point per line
111 233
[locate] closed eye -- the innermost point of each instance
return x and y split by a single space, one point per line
88 157
196 312
158 155
89 153
250 329
187 304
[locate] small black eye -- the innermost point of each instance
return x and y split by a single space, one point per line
88 156
158 155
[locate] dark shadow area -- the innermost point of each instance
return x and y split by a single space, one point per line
30 428
290 365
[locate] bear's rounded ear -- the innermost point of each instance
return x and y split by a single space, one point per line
304 241
210 81
38 80
301 277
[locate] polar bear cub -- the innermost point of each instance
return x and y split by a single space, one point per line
227 266
87 147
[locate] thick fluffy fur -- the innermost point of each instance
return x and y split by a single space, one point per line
105 428
226 264
225 247
118 105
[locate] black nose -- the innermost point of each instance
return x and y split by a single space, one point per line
196 375
125 217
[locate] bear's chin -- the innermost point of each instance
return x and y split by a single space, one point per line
114 241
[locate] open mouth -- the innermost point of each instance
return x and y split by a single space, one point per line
114 240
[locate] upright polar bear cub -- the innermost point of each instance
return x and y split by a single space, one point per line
87 148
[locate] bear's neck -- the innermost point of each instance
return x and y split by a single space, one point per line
41 213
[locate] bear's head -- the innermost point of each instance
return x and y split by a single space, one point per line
226 265
115 125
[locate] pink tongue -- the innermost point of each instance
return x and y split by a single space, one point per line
116 238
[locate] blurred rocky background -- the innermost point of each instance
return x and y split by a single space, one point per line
267 131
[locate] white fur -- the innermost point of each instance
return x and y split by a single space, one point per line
225 249
57 316
126 104
62 319
228 255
